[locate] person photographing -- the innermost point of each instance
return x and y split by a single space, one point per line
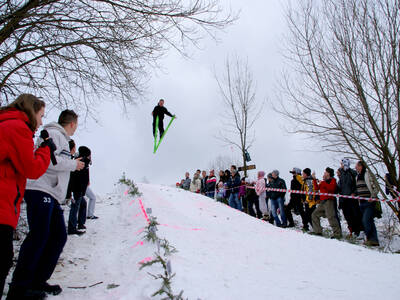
47 233
18 161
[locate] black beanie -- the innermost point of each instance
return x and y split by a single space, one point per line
84 151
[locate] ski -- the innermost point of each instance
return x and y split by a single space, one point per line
155 136
162 137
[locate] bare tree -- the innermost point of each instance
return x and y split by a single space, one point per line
238 93
73 52
344 82
223 162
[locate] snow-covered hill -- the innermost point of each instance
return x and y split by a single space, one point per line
223 254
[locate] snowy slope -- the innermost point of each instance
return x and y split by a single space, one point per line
223 254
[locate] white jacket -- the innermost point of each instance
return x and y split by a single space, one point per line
195 185
55 180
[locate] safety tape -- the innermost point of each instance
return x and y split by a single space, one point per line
316 194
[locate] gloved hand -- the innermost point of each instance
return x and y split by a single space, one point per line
49 143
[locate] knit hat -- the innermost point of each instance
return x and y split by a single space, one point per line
296 171
84 151
307 171
261 174
346 163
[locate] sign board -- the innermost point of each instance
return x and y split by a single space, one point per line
251 167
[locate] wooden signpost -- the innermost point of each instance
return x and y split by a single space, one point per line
251 167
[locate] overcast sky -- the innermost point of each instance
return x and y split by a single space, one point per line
124 142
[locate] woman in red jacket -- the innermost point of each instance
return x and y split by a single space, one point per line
18 161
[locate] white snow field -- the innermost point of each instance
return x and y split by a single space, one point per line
222 254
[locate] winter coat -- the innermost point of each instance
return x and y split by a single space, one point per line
78 182
242 190
203 184
195 185
347 182
220 192
234 183
307 185
18 161
327 186
260 186
364 183
186 184
55 181
277 183
160 111
295 185
210 184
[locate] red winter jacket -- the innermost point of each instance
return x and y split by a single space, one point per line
327 187
18 161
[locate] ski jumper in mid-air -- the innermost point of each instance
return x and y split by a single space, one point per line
159 111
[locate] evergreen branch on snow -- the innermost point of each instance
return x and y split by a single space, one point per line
150 235
133 189
168 248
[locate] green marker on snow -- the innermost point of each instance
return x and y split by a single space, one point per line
156 145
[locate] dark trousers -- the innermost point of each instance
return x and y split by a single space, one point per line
306 215
352 214
44 243
73 213
251 203
368 214
6 253
298 207
82 212
293 204
160 126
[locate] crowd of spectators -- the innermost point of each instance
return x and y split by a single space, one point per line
265 198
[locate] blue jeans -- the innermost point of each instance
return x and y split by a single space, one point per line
44 243
275 204
73 214
368 214
234 201
210 194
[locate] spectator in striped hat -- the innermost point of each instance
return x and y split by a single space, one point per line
366 188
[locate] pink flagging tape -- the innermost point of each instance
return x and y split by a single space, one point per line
143 210
140 243
145 260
